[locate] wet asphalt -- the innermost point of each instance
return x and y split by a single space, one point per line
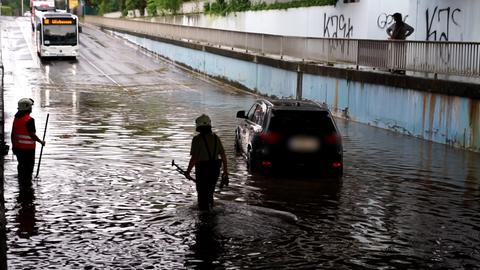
108 198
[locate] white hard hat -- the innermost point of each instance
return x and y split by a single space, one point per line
25 104
202 121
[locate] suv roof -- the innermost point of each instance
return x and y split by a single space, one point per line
293 104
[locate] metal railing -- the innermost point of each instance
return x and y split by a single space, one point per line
452 58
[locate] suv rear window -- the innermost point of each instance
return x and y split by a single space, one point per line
293 121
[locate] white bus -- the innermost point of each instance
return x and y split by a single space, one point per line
37 6
57 35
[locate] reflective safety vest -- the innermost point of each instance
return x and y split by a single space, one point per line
20 135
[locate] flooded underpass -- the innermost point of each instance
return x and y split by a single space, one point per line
107 196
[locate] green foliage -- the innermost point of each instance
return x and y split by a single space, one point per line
131 4
220 7
206 7
6 10
142 4
122 7
152 7
171 6
91 10
106 6
101 9
14 7
134 5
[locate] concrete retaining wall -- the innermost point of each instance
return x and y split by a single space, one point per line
419 107
439 20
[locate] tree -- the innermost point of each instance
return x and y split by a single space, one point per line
14 6
172 6
123 7
142 4
152 7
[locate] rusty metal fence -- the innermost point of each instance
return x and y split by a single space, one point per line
452 58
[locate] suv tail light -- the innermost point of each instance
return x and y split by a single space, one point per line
336 164
270 137
332 138
266 163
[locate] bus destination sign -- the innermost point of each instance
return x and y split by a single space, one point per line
59 21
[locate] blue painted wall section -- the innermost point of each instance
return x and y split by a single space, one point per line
276 82
436 117
242 72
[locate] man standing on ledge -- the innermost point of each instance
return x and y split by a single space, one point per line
23 141
399 30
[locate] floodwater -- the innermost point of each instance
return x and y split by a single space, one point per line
107 196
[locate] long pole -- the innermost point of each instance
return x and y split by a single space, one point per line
41 150
180 170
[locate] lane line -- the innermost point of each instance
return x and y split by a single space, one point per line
103 73
29 40
197 75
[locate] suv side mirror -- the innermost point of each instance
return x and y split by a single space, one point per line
241 114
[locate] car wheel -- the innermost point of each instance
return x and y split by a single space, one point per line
251 162
238 149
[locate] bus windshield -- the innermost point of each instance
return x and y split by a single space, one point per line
60 35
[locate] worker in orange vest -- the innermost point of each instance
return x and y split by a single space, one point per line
24 140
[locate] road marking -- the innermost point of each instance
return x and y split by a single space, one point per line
33 50
29 41
104 74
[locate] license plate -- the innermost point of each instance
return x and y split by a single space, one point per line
304 144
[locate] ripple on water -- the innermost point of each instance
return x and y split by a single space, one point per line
108 197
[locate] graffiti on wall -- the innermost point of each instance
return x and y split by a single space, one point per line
384 20
337 26
439 22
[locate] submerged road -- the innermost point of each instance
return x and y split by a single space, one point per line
108 198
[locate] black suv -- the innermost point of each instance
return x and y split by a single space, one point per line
290 134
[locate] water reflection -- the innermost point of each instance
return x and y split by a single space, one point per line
25 218
207 248
109 199
472 188
304 190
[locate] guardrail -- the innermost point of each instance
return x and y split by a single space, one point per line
451 58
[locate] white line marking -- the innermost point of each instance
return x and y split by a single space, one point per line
104 74
29 41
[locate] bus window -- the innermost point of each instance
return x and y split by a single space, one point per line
60 35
